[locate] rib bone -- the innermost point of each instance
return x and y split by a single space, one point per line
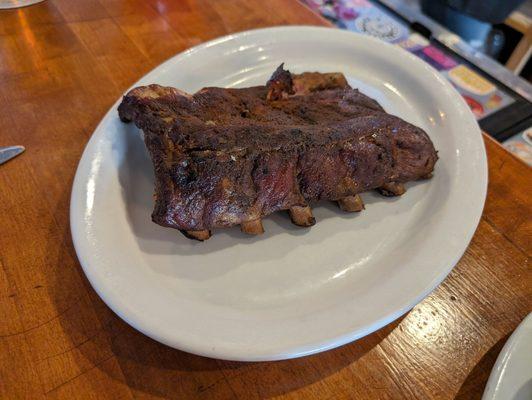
392 189
302 215
197 235
252 227
351 203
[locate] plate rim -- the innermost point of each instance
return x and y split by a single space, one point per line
128 315
499 372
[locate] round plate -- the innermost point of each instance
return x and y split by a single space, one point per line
511 376
291 291
7 4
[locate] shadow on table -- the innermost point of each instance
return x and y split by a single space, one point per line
96 339
156 369
473 386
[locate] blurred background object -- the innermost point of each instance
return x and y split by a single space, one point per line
519 26
5 4
473 20
481 46
500 29
521 145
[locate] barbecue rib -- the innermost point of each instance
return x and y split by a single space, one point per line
225 157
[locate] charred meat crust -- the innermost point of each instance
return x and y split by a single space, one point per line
225 157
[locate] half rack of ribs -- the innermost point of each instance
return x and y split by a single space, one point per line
226 157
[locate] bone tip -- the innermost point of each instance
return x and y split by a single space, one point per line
391 189
201 235
351 204
252 227
302 216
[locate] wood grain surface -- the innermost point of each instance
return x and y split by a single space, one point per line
63 63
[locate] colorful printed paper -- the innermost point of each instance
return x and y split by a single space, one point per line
362 16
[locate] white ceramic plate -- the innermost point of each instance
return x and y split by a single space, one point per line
5 4
511 376
291 291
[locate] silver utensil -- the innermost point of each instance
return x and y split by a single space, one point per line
7 153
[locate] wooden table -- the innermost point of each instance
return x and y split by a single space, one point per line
62 65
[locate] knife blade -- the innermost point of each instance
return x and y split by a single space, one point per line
7 153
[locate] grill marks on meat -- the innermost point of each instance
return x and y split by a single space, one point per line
225 157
